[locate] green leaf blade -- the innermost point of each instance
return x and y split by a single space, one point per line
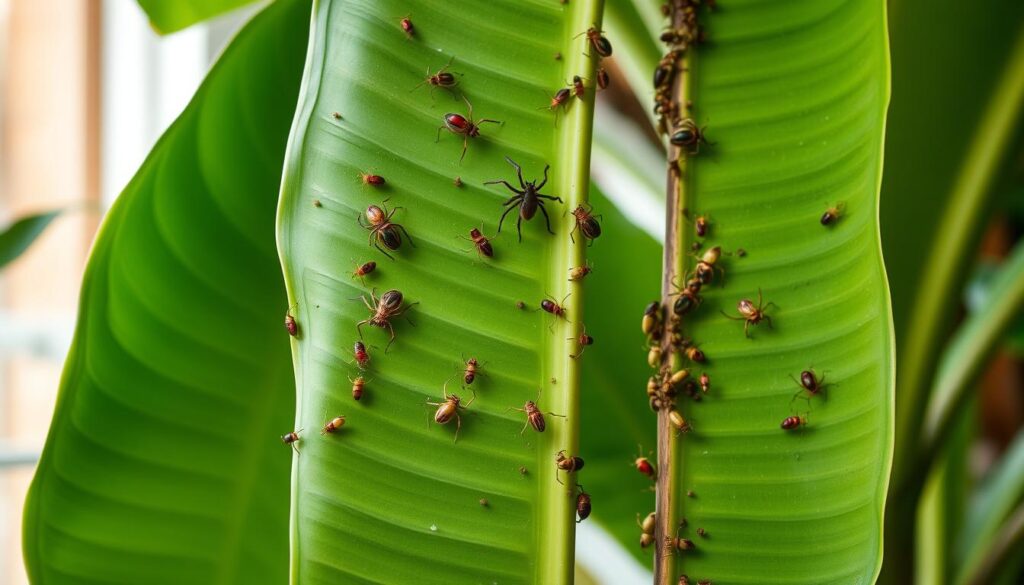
162 464
168 16
19 235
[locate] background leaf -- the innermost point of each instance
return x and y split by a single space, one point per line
392 497
163 464
169 16
19 235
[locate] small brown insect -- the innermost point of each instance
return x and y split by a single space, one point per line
407 27
357 387
520 305
693 353
649 523
691 494
336 115
654 356
741 252
750 314
470 372
383 310
602 78
681 543
290 324
333 425
316 203
523 470
701 532
646 540
810 383
704 272
686 301
567 463
457 182
644 466
587 223
443 79
534 417
684 580
362 358
558 56
701 225
582 504
577 273
652 319
687 135
371 179
550 306
832 215
292 439
482 244
449 409
484 502
464 126
596 40
793 422
680 423
705 382
560 98
383 230
578 89
584 340
363 269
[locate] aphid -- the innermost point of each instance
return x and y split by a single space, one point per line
550 306
680 423
682 543
290 324
649 523
684 580
567 463
371 179
357 387
586 222
528 199
465 126
362 358
750 314
407 27
705 269
832 215
701 225
457 182
654 356
484 502
470 373
652 319
316 203
644 466
580 272
578 89
383 230
333 425
705 382
685 302
449 409
481 243
382 310
443 79
701 532
677 379
584 340
534 417
292 439
691 494
792 422
363 269
646 540
689 136
582 504
602 78
601 45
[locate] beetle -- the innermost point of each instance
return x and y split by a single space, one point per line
644 465
809 382
382 310
567 463
465 126
584 340
290 324
292 439
686 301
527 200
680 423
793 422
382 229
586 222
481 243
359 351
580 272
832 214
470 373
407 27
597 40
750 314
371 179
648 524
651 322
534 417
357 387
701 225
333 425
443 78
582 504
578 89
688 135
602 78
363 269
449 409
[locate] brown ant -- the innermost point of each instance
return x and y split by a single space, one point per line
480 242
582 504
357 387
558 310
470 373
586 222
465 126
528 200
382 229
534 417
443 79
578 89
750 314
449 409
363 269
596 39
584 340
292 439
566 463
389 305
560 99
580 272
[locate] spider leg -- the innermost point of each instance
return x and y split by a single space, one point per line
359 327
546 167
518 199
465 145
392 330
504 182
377 245
439 128
503 218
547 219
519 226
769 320
519 171
558 199
359 219
402 227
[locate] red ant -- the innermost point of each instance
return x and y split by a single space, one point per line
463 125
443 79
481 242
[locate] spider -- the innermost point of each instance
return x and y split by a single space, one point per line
750 314
387 306
382 229
527 200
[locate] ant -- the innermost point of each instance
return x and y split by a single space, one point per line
832 214
567 463
363 269
480 242
443 79
534 417
810 382
583 339
449 409
292 439
528 200
587 223
463 125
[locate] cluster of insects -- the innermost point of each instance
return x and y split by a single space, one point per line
387 234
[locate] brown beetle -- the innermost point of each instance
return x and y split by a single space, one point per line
582 504
292 439
602 78
586 222
704 272
701 225
810 383
470 372
600 44
357 387
480 242
751 314
793 422
534 417
680 423
686 301
578 89
567 463
832 214
383 310
687 135
449 409
651 323
580 272
333 425
383 230
443 79
648 524
363 269
371 179
290 324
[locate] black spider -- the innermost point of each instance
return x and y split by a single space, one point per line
527 200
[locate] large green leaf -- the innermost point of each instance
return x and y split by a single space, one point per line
162 464
168 16
794 96
18 236
393 498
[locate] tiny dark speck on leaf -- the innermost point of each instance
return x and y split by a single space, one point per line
336 115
